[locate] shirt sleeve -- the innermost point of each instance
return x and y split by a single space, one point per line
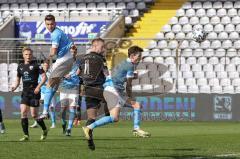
55 39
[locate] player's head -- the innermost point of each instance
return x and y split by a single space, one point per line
135 53
27 54
98 45
50 22
45 65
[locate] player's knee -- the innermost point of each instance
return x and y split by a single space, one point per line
115 118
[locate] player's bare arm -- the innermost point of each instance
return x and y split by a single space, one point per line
38 88
15 86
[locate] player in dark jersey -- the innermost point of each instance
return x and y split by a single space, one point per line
92 68
29 71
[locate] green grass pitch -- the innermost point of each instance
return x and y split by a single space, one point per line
169 140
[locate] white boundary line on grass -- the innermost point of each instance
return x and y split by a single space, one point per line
228 155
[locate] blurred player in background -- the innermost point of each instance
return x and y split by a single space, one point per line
30 71
2 126
116 97
45 66
69 97
65 50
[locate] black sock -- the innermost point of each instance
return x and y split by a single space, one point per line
1 116
90 121
24 122
41 123
78 113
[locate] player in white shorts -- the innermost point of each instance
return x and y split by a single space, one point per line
69 97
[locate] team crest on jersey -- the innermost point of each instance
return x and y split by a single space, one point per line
30 67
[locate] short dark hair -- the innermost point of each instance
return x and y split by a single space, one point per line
133 50
27 49
46 61
49 17
97 39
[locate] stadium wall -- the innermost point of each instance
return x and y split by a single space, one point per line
7 30
187 107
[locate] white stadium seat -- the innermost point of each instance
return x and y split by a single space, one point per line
197 5
190 12
217 5
200 12
211 12
215 20
207 5
187 5
210 74
194 20
233 75
225 20
204 89
228 4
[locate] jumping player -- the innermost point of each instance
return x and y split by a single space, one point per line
65 50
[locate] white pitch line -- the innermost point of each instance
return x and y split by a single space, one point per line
228 155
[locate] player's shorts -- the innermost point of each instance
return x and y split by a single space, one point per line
93 96
62 66
30 99
69 98
53 101
114 97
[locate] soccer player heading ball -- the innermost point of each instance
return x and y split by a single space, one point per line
199 35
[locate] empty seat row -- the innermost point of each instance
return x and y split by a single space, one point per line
205 20
208 12
69 1
186 28
209 4
62 6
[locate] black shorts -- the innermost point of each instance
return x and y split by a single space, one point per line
29 98
93 96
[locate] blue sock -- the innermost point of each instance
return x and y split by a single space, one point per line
102 121
64 117
53 116
49 93
136 118
71 117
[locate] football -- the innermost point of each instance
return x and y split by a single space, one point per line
199 35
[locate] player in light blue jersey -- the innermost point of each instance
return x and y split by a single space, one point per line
65 50
116 97
69 97
45 66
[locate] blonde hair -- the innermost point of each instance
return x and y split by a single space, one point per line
27 49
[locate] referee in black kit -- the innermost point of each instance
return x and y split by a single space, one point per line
29 71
